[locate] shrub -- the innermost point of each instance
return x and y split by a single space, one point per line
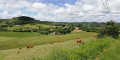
43 32
110 30
90 29
63 31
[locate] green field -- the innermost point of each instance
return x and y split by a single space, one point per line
11 41
25 39
18 34
101 49
38 52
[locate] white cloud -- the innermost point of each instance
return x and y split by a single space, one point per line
6 15
83 10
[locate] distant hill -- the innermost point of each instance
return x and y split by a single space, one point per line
23 20
29 20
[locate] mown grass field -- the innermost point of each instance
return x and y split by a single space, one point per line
36 40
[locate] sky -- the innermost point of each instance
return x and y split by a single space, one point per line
61 10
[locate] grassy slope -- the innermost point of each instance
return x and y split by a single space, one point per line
2 38
87 51
44 51
38 40
17 34
112 53
40 51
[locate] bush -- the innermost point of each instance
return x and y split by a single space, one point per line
90 29
43 32
63 31
110 30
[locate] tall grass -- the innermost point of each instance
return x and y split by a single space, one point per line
57 54
87 51
113 53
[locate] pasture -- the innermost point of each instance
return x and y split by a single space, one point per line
11 41
17 34
37 40
64 47
40 51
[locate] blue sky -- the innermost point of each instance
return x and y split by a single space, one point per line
60 10
59 2
55 2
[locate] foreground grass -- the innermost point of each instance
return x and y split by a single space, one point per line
112 53
39 40
68 50
87 51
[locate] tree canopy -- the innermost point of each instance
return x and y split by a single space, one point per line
110 29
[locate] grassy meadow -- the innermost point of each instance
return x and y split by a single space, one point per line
90 49
11 41
39 52
36 40
18 34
